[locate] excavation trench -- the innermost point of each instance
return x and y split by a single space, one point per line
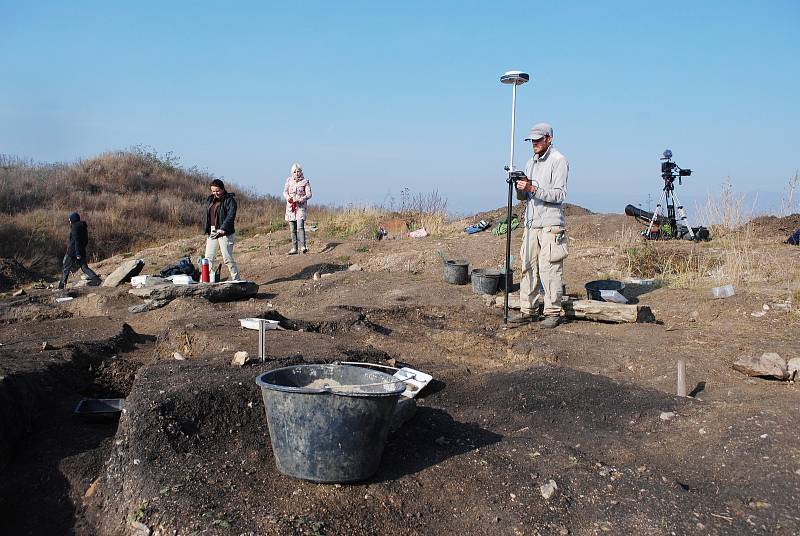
49 457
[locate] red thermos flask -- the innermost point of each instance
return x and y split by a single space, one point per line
204 278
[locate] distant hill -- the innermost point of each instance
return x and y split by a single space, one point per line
128 198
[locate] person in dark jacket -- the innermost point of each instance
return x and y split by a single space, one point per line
76 250
218 225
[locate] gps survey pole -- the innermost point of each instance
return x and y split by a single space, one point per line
515 78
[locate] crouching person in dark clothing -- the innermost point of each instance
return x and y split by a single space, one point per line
76 250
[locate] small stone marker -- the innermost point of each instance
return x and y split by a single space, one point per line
548 489
240 359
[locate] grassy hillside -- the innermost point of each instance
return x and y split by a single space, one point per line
136 198
129 199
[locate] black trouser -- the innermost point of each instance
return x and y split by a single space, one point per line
69 262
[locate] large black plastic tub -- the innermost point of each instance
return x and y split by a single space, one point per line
328 423
593 288
456 272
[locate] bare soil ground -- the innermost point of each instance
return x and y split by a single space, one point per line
510 408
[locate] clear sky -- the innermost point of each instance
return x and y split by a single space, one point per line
375 97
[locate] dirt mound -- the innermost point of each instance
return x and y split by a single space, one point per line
13 274
499 214
772 225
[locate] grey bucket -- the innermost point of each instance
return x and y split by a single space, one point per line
328 433
485 281
456 271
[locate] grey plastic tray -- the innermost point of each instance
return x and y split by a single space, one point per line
99 408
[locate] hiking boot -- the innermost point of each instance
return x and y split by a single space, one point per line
293 251
522 317
550 322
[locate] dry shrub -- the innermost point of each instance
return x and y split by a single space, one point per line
352 221
673 262
790 202
424 210
724 213
421 210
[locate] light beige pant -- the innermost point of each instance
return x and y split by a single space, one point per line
542 257
225 245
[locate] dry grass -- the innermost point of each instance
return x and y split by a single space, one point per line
136 198
420 210
724 213
790 202
736 254
130 199
352 221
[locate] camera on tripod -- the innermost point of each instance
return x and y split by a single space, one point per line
670 171
668 220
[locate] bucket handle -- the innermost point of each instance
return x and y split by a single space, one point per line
332 389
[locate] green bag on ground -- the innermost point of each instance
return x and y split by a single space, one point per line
502 227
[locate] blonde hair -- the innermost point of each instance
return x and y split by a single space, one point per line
297 167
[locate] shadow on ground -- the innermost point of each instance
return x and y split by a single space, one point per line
309 271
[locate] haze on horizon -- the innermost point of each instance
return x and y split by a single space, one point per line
372 99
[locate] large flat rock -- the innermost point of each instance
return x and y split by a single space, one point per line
767 365
214 292
124 272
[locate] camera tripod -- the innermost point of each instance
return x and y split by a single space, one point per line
669 199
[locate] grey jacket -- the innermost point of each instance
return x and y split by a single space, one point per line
549 174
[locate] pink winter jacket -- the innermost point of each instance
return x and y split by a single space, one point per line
300 192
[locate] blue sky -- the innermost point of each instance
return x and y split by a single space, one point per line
373 98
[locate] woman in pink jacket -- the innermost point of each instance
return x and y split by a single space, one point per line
297 192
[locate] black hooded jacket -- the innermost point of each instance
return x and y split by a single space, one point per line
226 214
78 239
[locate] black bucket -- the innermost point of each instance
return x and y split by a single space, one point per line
328 423
456 272
593 288
502 284
485 281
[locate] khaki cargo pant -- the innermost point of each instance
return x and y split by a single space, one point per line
542 257
225 244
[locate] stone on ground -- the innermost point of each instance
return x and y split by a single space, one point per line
793 366
240 359
548 489
768 365
213 292
124 272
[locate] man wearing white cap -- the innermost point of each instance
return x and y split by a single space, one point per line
544 244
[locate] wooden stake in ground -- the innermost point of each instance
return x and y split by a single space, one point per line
682 378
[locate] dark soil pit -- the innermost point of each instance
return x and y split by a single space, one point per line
49 455
326 320
193 454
